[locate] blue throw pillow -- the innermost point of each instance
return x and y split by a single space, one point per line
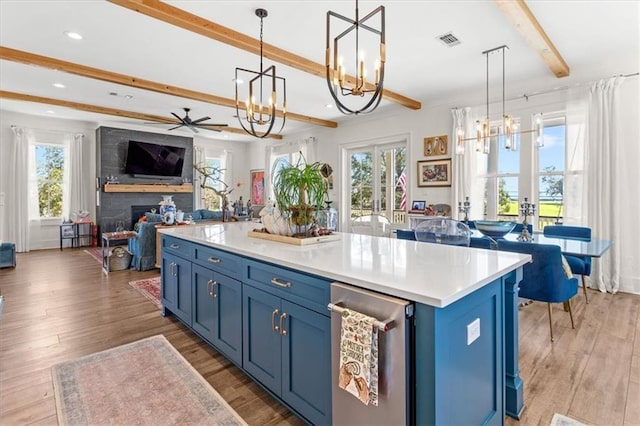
153 217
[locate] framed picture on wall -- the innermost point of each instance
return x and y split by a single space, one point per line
434 173
436 145
257 187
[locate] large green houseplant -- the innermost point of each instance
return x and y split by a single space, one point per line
300 190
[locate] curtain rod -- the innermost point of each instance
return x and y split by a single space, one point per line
63 132
557 89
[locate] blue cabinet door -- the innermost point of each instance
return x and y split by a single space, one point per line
261 352
306 362
176 286
217 311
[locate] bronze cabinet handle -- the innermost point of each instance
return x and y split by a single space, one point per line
279 283
282 318
274 327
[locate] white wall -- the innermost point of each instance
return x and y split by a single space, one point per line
44 234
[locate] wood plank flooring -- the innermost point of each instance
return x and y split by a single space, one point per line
59 306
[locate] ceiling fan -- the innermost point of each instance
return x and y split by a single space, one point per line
186 121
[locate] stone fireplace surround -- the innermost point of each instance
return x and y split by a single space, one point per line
111 150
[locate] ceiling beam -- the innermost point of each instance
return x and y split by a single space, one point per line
108 111
526 23
188 21
139 83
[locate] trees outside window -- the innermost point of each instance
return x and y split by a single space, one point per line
50 180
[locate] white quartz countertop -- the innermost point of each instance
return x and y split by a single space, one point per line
432 274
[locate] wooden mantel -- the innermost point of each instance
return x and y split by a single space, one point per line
154 187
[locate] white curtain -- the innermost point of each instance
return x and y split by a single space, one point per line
603 171
77 191
16 225
306 146
467 166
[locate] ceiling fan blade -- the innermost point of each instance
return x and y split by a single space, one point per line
213 125
200 120
177 127
193 128
178 117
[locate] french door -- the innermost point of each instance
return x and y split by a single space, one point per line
376 181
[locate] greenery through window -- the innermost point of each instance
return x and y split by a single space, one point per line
551 160
211 200
50 175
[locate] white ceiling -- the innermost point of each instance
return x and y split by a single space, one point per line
597 39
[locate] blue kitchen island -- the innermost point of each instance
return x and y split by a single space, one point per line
263 304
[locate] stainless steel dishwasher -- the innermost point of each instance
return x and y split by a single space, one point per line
394 358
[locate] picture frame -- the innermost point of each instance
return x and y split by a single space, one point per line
436 146
257 186
418 205
434 173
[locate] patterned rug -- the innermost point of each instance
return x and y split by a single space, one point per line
150 288
560 420
146 382
96 253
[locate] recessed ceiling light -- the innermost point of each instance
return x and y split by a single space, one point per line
59 85
113 93
329 105
225 136
50 111
74 35
128 96
238 81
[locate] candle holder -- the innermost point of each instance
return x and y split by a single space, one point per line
526 209
465 208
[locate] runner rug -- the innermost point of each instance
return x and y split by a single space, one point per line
146 382
150 288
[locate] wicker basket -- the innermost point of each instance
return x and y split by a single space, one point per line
120 259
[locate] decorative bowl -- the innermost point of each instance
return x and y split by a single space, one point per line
494 228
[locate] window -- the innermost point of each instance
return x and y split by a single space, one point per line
48 183
550 171
212 201
512 175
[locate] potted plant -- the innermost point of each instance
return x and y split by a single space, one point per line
300 190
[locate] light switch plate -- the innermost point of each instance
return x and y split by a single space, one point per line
473 331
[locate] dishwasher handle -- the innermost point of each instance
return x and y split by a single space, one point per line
383 326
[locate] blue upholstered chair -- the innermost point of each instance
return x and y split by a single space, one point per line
443 231
580 265
406 234
543 279
7 255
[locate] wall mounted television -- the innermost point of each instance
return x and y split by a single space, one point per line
151 160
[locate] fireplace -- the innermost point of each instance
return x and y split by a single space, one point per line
138 211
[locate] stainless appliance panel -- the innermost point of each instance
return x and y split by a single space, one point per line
393 359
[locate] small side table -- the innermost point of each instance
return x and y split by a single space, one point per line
107 237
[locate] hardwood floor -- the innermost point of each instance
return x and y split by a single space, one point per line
59 306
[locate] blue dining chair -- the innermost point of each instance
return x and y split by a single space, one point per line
580 265
443 231
406 234
543 279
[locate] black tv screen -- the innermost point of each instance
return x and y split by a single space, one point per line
150 159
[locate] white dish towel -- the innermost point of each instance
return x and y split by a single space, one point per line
359 357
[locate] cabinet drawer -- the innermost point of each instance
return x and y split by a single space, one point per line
306 290
219 261
177 246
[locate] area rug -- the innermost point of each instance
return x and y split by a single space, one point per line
150 288
95 252
146 382
560 420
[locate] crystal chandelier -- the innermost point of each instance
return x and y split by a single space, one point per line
508 129
260 110
342 84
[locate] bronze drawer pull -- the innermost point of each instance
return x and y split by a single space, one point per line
214 259
280 283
